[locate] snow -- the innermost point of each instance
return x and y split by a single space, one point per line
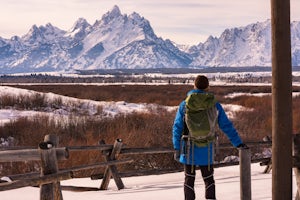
6 115
166 186
109 109
128 41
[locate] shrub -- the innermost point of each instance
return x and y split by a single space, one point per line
136 130
152 129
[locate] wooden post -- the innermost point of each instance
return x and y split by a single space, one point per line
296 152
111 171
281 100
49 165
245 173
268 167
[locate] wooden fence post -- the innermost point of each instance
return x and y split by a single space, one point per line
49 165
245 173
111 171
296 149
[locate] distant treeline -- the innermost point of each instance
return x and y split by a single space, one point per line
44 78
158 75
175 70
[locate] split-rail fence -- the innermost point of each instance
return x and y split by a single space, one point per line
49 177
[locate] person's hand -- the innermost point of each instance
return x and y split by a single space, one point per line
177 155
242 146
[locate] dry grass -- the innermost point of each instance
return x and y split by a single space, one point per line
136 129
170 95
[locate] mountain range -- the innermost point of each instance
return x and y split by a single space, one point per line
120 41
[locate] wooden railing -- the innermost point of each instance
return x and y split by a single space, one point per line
48 152
48 179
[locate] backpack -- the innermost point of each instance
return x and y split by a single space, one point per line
201 117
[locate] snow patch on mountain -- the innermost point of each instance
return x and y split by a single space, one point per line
244 46
128 41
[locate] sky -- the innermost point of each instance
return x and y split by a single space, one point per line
182 21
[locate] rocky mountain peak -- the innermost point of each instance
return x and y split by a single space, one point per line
128 41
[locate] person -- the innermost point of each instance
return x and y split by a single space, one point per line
201 158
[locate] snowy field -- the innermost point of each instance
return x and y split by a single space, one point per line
166 187
110 109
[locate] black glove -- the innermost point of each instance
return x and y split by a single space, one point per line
242 146
177 155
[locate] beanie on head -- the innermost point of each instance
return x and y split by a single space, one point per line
201 82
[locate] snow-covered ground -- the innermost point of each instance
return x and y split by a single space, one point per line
166 187
108 108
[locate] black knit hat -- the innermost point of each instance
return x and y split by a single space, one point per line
201 82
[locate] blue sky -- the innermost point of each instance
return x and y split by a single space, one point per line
182 21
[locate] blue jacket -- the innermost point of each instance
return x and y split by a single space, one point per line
202 155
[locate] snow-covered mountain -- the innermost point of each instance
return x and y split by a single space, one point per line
244 46
128 41
115 41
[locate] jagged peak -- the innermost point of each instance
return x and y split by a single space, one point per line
49 29
135 16
81 23
212 38
42 32
109 16
34 32
113 13
34 28
15 38
48 25
79 29
115 10
2 41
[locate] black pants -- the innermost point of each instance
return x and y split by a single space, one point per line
208 178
